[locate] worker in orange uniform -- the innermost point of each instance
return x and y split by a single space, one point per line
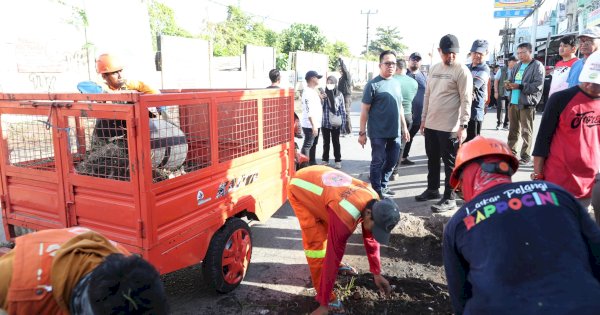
111 70
77 271
329 205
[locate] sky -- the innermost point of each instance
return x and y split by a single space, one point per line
421 23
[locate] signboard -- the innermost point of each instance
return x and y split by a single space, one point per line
502 14
511 4
593 18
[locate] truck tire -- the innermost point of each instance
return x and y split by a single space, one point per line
228 256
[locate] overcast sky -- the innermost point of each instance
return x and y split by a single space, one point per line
421 23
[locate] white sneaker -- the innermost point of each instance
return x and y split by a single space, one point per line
324 163
338 165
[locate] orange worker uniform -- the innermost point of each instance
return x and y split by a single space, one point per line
133 85
328 204
38 276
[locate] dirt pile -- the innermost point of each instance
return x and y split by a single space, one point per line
409 296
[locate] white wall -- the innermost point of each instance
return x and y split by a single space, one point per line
42 44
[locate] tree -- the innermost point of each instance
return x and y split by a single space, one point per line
162 22
238 30
336 50
387 38
304 37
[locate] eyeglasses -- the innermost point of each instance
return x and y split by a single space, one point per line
389 64
415 60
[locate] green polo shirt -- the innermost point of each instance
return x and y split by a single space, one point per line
409 90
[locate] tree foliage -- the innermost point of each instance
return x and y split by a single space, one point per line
306 37
387 38
336 50
162 21
238 30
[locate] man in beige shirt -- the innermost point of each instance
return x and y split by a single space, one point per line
446 110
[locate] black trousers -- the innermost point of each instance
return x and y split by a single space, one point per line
473 129
331 135
440 145
413 132
502 110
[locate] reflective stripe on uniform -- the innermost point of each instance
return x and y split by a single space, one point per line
350 208
315 253
307 185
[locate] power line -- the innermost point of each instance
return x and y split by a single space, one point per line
368 13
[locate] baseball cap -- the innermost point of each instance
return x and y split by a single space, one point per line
591 69
449 44
592 32
386 215
415 56
480 46
311 74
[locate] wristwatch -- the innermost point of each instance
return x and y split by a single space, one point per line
362 133
464 126
536 176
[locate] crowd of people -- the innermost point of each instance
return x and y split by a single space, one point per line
550 259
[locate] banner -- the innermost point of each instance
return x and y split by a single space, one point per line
511 4
593 18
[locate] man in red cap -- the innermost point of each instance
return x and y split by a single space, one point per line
524 248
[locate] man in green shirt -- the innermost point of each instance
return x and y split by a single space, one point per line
409 89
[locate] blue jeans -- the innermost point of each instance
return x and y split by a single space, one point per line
309 147
384 155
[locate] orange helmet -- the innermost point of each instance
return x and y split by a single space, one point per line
477 148
107 63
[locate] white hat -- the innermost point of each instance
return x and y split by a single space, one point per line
591 69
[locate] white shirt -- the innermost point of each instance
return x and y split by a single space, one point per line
311 107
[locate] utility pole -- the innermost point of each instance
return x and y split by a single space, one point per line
505 40
368 13
534 22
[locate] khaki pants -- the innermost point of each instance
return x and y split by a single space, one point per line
521 123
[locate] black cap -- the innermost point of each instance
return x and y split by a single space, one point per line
312 74
386 215
480 46
401 64
415 56
449 44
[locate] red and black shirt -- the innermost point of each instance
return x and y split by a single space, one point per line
569 139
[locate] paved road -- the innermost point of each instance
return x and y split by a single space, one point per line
278 272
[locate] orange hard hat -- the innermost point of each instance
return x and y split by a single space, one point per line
107 63
477 148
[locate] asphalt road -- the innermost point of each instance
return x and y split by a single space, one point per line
278 272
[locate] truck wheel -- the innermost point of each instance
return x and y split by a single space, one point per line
228 256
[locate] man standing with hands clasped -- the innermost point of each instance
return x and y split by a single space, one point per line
382 112
446 109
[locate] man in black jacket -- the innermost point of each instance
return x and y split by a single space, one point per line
345 87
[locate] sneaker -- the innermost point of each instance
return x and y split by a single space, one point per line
498 126
505 128
428 195
444 205
324 163
338 165
525 162
407 162
386 192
